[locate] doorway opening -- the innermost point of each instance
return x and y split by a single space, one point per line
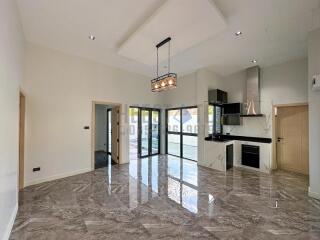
106 134
292 138
22 109
144 132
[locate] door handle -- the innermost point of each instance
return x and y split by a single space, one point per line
279 139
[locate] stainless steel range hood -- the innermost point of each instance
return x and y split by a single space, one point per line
252 101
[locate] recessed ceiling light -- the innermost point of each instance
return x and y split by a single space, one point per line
238 33
254 61
91 37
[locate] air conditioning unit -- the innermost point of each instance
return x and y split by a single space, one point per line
316 83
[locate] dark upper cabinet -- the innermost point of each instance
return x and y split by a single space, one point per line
232 113
232 108
217 96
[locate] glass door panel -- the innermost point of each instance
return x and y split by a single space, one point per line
133 121
145 120
149 132
109 131
155 132
190 147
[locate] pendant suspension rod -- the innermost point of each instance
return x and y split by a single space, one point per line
169 57
160 44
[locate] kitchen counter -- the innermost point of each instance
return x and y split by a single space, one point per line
215 155
222 138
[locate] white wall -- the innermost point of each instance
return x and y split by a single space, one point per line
314 115
184 94
206 80
192 90
60 89
280 84
11 73
101 128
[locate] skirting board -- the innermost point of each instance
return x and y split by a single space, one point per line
10 224
55 177
313 194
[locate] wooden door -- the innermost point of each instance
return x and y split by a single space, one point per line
293 139
21 140
115 125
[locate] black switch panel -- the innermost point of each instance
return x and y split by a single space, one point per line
36 169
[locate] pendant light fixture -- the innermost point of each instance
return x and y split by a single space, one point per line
168 80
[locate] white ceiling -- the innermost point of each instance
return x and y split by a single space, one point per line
193 23
274 31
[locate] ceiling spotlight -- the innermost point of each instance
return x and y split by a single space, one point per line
238 33
91 37
254 61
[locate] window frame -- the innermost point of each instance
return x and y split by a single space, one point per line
214 120
140 109
180 133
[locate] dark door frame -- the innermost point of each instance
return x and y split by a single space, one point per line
108 119
180 133
150 110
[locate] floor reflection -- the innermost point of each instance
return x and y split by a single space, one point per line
178 184
198 190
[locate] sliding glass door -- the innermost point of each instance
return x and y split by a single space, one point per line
182 132
149 132
155 132
133 138
109 131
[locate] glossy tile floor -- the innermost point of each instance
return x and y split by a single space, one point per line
169 198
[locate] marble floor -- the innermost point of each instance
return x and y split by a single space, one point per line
165 197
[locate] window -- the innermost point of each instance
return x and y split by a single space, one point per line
190 120
174 120
214 119
182 132
190 147
173 141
